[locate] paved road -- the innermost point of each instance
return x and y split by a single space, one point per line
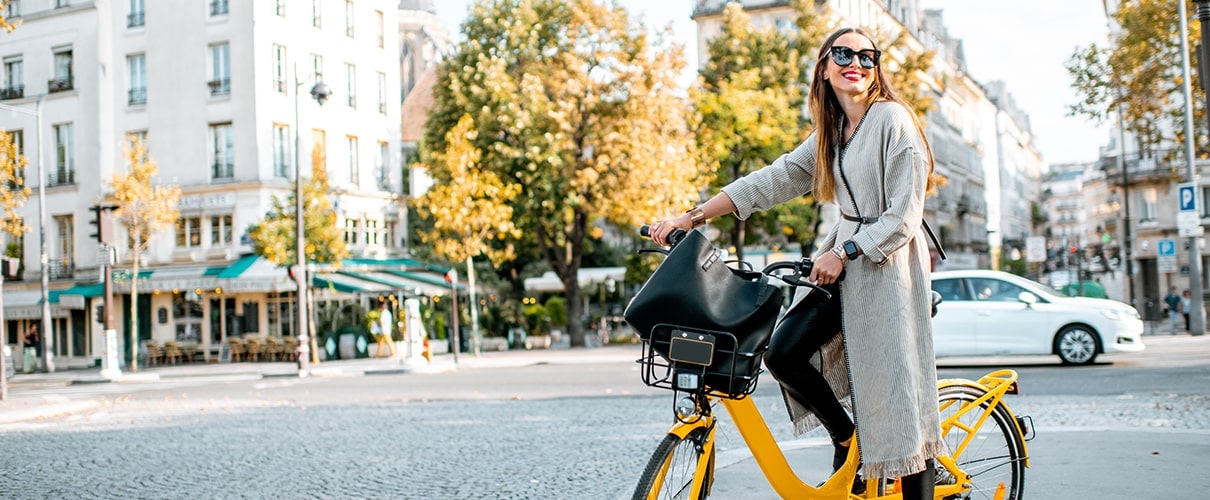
579 425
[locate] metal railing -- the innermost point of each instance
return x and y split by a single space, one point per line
61 177
60 269
218 7
136 96
134 19
14 92
61 84
221 86
222 170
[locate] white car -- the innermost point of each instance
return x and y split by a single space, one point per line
992 313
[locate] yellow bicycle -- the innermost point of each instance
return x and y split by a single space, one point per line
986 455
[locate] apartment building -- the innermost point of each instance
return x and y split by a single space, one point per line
220 91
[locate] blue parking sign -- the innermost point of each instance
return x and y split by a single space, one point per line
1165 248
1187 197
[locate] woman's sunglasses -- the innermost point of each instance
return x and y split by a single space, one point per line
843 56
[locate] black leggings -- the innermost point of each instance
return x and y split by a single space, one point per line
812 323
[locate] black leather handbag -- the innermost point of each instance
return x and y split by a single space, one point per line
694 289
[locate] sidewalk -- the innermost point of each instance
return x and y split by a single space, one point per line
21 408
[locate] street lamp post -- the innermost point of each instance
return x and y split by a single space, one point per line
47 335
320 93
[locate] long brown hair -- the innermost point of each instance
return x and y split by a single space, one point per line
827 113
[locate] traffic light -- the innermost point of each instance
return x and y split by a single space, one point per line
101 222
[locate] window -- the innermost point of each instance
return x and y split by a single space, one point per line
371 232
63 73
281 150
65 156
349 18
189 232
382 33
1205 201
351 87
14 9
388 233
187 316
220 230
137 69
317 67
135 17
61 265
351 231
279 68
222 151
14 79
62 3
319 150
951 290
218 7
382 92
223 320
281 314
354 168
220 69
317 13
279 8
1146 205
381 168
993 290
139 136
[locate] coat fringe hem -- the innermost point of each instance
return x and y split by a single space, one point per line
905 466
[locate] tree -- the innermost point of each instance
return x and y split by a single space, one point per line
5 24
274 238
13 191
145 211
749 100
575 103
1139 74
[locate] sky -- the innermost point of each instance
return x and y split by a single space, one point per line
1023 42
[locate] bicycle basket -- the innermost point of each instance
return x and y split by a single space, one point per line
724 370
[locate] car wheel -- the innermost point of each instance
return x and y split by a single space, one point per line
1077 345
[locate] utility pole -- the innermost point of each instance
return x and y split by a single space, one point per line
1197 318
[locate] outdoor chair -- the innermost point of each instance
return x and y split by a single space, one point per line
288 346
273 348
172 352
236 348
152 353
254 348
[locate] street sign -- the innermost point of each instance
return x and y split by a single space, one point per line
1035 249
1188 217
1165 251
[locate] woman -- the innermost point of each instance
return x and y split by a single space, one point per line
870 157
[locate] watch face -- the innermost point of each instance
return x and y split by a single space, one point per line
850 249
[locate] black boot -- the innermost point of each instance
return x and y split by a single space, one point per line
919 486
839 455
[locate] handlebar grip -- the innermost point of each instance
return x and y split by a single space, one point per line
673 238
645 231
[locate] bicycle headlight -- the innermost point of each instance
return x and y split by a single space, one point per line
685 408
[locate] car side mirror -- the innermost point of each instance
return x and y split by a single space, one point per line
1028 298
936 299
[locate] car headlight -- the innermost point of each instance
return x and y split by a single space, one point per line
1119 314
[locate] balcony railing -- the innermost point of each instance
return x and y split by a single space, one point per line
60 269
61 177
60 84
136 96
221 86
134 19
222 170
218 7
14 92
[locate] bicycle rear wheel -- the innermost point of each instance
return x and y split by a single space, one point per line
994 454
670 472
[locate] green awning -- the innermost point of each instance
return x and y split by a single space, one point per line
91 290
235 269
318 282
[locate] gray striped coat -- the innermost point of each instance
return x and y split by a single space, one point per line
884 370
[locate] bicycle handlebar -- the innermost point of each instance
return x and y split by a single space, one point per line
801 267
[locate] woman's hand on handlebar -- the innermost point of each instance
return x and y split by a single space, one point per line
660 229
826 269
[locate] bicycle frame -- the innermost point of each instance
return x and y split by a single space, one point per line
787 484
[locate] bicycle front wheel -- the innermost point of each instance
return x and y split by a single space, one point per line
984 444
672 468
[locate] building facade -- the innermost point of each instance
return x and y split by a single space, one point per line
220 92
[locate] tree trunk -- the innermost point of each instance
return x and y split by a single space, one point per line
575 310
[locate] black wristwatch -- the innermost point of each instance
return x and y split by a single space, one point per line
851 250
